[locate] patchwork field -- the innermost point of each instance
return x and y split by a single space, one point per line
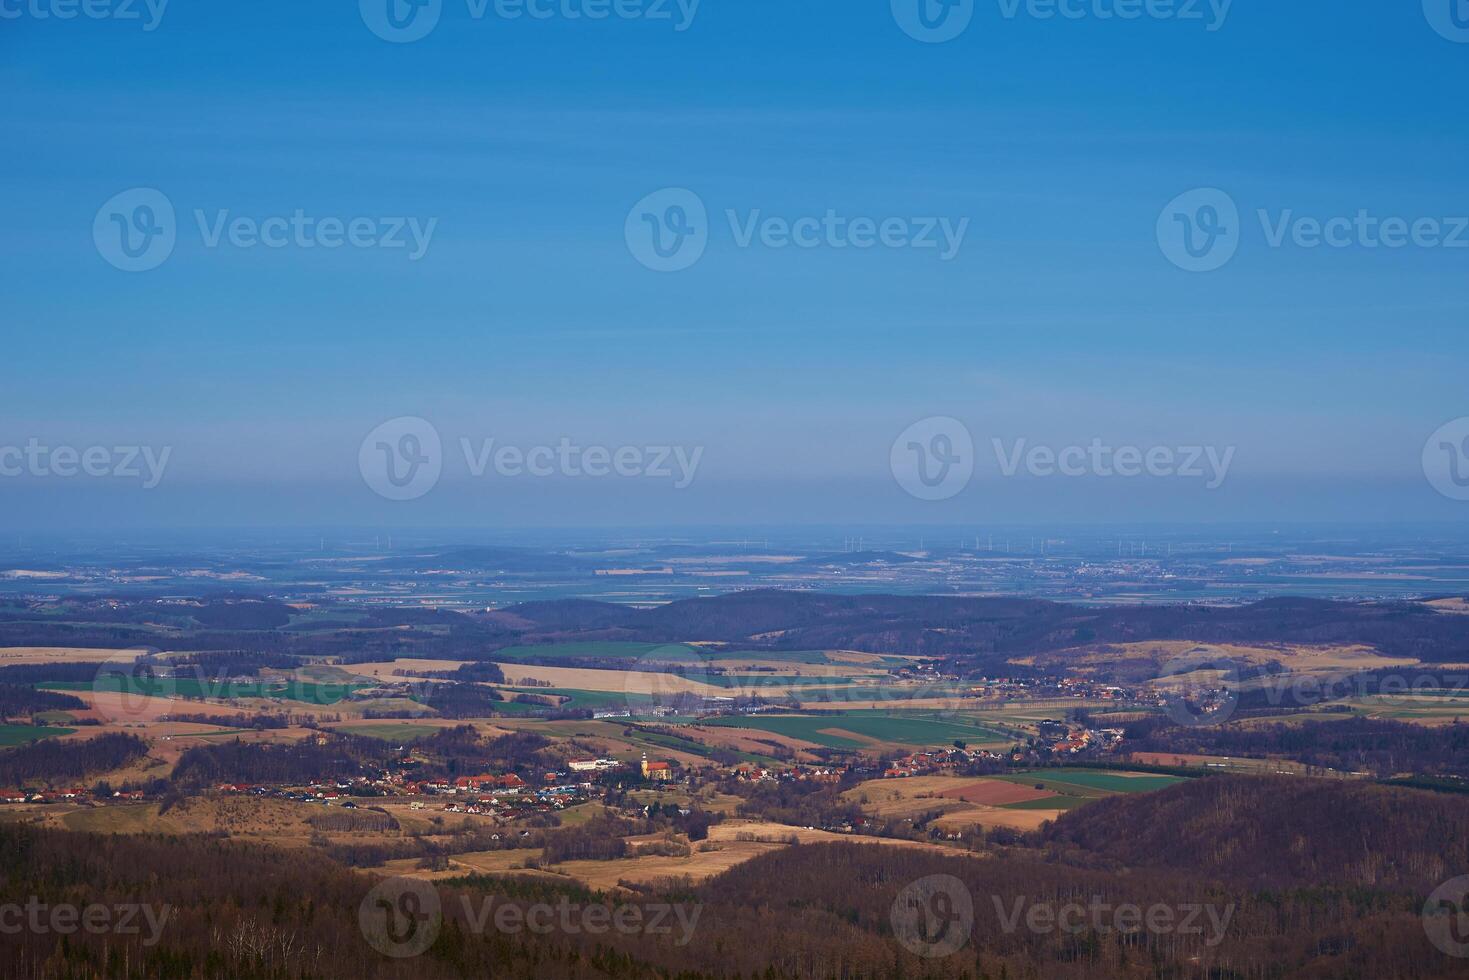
59 655
750 740
388 670
1231 764
730 843
1021 801
640 683
1139 660
670 652
862 730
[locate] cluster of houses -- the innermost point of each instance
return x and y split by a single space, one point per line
1060 738
471 794
1045 688
937 761
751 773
69 794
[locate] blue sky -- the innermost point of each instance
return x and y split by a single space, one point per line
528 319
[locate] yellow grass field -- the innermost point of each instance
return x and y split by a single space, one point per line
591 679
14 656
387 670
1296 658
896 703
905 798
379 727
781 668
722 851
986 816
746 740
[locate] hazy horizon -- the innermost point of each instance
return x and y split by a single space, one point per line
1030 286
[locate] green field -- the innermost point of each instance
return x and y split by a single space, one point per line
1091 782
590 700
773 680
674 742
20 734
609 650
1049 803
878 725
813 657
675 653
390 732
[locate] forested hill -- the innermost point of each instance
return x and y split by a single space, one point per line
1346 903
1278 832
949 625
975 629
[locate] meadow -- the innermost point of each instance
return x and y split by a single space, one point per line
20 734
863 729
